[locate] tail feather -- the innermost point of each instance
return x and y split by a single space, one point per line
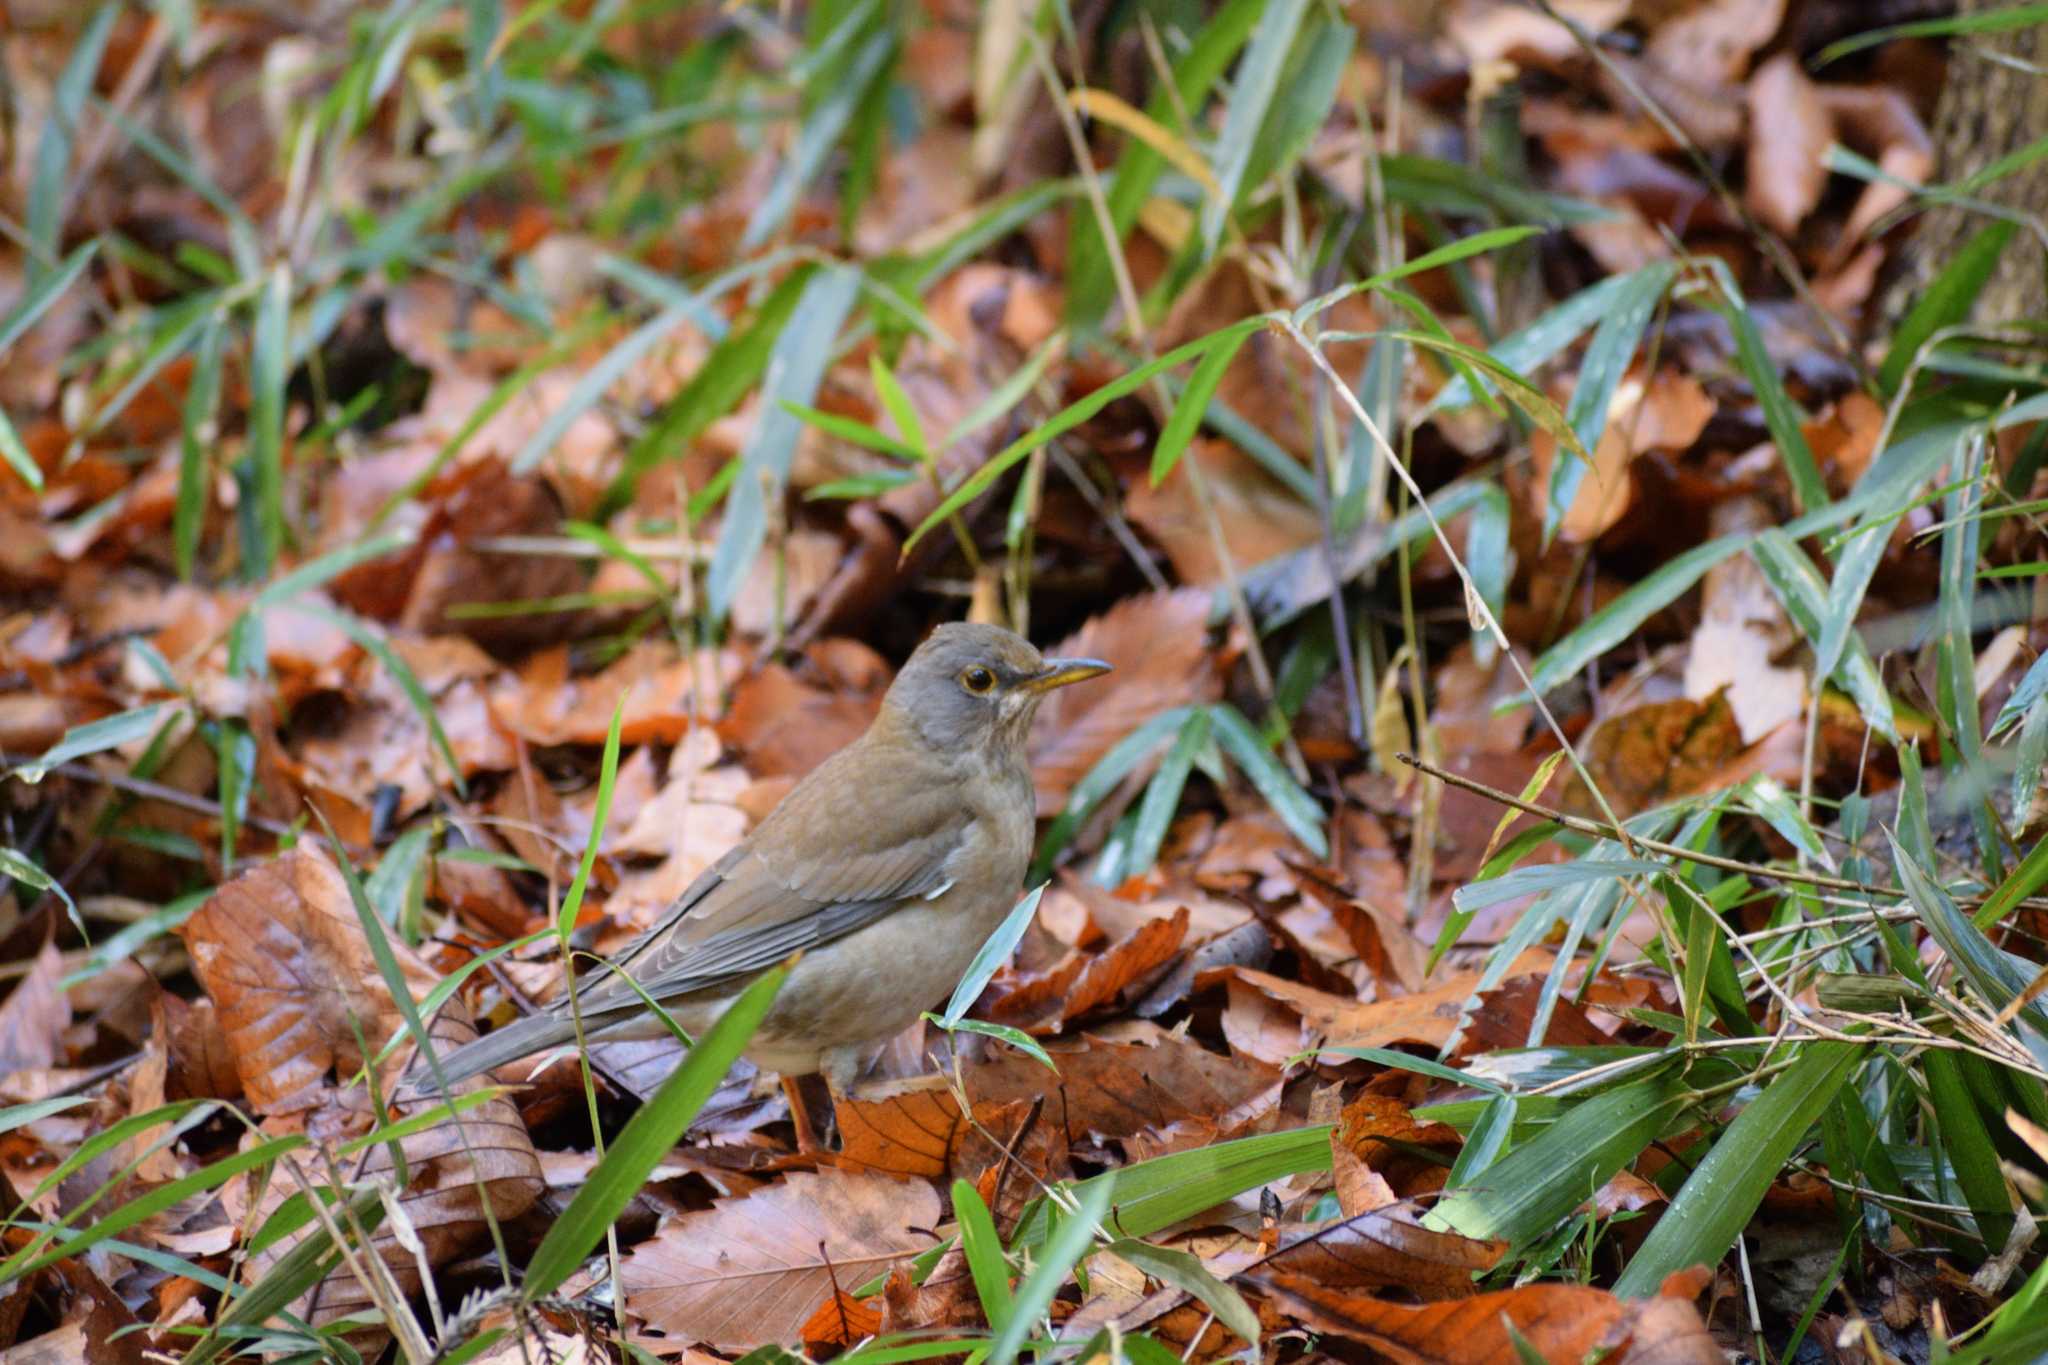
521 1038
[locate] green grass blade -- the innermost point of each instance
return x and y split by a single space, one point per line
1615 339
1295 807
1715 1203
1068 1243
1948 300
1522 351
599 378
1185 1272
1780 416
648 1136
202 398
820 132
984 1252
53 149
1528 1191
992 956
1070 417
1251 95
94 737
608 772
1192 407
1984 21
47 289
794 368
1162 796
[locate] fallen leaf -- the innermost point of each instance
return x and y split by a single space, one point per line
1789 131
1656 752
34 1017
1426 1017
1157 644
1561 1322
1385 1248
749 1272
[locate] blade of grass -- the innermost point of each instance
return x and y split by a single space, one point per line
1069 1241
1251 95
984 1252
1162 795
794 367
1615 339
1948 300
647 1138
1295 807
46 186
992 956
1715 1203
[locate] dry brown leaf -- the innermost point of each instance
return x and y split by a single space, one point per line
1562 1322
34 1017
1789 131
1261 518
915 1130
785 725
663 693
1657 752
1428 1017
282 954
1386 1248
1127 967
1158 645
202 1064
1712 42
749 1272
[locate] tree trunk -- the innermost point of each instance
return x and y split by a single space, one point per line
1993 103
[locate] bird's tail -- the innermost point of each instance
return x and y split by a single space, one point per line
521 1038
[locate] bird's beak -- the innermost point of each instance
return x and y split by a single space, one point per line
1060 672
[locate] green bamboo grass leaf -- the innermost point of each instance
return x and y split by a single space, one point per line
46 290
820 132
1968 1146
648 1136
1542 877
1009 393
1479 243
1438 186
1615 339
992 956
202 398
854 433
1780 416
1531 400
1715 1203
1402 1061
1192 406
1987 21
1100 781
1483 1146
1186 1273
1295 807
1251 96
860 485
94 737
595 382
608 773
269 368
1162 795
732 368
984 1252
1070 417
1798 585
1309 87
17 457
1998 978
2030 758
53 149
794 368
1522 351
308 1263
1090 284
1002 1033
149 1205
1948 300
315 572
1528 1191
15 1115
392 884
896 402
1490 558
1068 1243
1161 1191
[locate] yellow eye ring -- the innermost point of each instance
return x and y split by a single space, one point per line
977 680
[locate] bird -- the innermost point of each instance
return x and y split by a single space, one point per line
888 867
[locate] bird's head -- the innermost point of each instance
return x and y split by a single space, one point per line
977 686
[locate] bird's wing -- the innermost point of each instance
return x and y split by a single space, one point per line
810 874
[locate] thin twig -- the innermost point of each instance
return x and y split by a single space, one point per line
1599 831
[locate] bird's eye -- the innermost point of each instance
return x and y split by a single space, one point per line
977 680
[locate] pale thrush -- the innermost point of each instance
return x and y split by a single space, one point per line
888 867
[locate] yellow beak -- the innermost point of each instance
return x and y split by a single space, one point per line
1061 672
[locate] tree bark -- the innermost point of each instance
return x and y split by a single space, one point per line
1994 102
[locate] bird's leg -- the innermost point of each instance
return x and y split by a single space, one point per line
809 1136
